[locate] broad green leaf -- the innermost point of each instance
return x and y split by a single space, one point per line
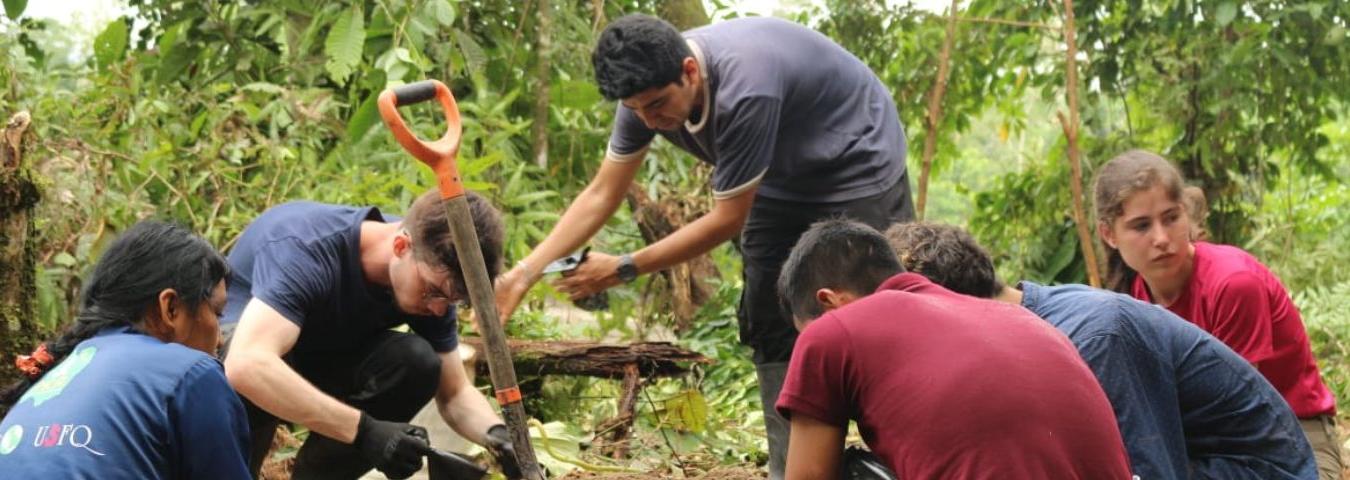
474 56
365 117
688 411
1225 14
64 259
344 45
575 94
1335 35
14 8
1064 254
111 45
442 11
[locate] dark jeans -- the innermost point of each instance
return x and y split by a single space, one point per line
768 237
390 378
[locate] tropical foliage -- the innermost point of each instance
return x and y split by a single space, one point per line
210 112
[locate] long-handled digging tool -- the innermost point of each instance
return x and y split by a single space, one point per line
440 156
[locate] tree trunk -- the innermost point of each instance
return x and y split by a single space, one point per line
935 111
542 73
1075 159
683 14
592 359
658 219
18 287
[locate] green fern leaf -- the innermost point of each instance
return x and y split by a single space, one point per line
344 44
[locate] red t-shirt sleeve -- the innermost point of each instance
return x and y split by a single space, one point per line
819 365
1242 316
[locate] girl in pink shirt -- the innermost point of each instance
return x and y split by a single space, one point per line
1146 232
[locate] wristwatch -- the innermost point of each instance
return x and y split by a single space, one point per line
627 271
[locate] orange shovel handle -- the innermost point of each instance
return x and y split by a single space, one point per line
440 154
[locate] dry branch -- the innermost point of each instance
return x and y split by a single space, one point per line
593 359
1075 157
935 111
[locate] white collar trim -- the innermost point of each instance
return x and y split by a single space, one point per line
707 96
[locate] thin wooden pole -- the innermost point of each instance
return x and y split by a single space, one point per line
935 111
1074 156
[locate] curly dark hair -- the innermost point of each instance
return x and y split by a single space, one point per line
947 255
638 52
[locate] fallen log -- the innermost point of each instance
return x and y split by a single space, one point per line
592 359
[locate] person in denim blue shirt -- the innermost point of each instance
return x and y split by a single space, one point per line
1187 405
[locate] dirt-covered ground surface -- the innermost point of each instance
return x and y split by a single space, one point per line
720 473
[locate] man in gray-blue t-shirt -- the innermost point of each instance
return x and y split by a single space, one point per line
797 129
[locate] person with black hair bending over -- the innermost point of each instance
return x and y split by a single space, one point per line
1187 405
797 129
132 390
942 385
1143 225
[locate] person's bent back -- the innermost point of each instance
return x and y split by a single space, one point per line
941 385
132 390
1187 405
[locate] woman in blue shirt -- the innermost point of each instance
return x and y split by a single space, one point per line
132 389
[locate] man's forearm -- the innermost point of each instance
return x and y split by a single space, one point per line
272 385
696 238
586 215
578 224
468 413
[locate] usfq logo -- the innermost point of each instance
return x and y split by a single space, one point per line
49 436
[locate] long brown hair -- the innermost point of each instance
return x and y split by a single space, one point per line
1123 176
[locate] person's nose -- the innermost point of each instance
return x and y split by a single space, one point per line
438 307
1159 236
646 118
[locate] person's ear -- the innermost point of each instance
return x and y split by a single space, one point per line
165 316
690 68
402 243
1108 235
831 299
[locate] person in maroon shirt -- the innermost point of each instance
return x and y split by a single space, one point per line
942 385
1146 231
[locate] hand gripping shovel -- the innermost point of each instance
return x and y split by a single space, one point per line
440 156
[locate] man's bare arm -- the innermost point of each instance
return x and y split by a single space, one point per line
815 449
255 369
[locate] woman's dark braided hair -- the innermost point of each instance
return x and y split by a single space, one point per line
145 260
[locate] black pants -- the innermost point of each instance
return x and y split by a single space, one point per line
390 378
769 235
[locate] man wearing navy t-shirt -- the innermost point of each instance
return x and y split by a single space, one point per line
1187 405
314 292
942 385
796 128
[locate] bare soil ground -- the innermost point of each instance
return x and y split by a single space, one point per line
720 473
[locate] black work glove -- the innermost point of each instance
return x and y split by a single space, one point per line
395 448
499 443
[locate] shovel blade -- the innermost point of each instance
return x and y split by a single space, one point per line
451 466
